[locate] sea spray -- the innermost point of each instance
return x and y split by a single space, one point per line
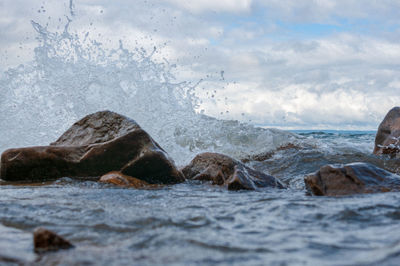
72 76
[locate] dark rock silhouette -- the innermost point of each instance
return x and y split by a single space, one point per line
45 240
95 145
223 170
354 178
387 140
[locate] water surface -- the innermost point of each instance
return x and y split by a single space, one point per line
197 224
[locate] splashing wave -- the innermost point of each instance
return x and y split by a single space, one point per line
72 76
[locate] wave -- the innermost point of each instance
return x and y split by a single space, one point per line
72 75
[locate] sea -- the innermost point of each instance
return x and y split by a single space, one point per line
191 223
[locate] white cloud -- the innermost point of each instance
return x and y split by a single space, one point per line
327 11
198 6
347 78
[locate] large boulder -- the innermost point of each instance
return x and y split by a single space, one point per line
97 144
354 178
387 140
225 171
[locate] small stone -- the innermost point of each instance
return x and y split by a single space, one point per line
119 179
45 240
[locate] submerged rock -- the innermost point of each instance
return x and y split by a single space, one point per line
119 179
45 240
267 155
387 140
223 170
354 178
97 144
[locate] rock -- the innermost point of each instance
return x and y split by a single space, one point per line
387 140
119 179
354 178
268 155
225 171
45 240
97 144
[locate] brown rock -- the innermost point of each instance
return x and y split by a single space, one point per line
223 170
116 178
45 240
387 140
95 145
354 178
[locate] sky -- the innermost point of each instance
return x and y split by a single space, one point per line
313 64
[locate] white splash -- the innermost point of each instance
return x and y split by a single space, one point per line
72 76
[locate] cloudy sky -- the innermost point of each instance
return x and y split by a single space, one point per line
315 64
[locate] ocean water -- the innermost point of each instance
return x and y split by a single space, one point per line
190 223
200 224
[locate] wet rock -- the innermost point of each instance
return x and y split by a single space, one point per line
225 171
387 140
97 144
354 178
119 179
45 240
268 155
